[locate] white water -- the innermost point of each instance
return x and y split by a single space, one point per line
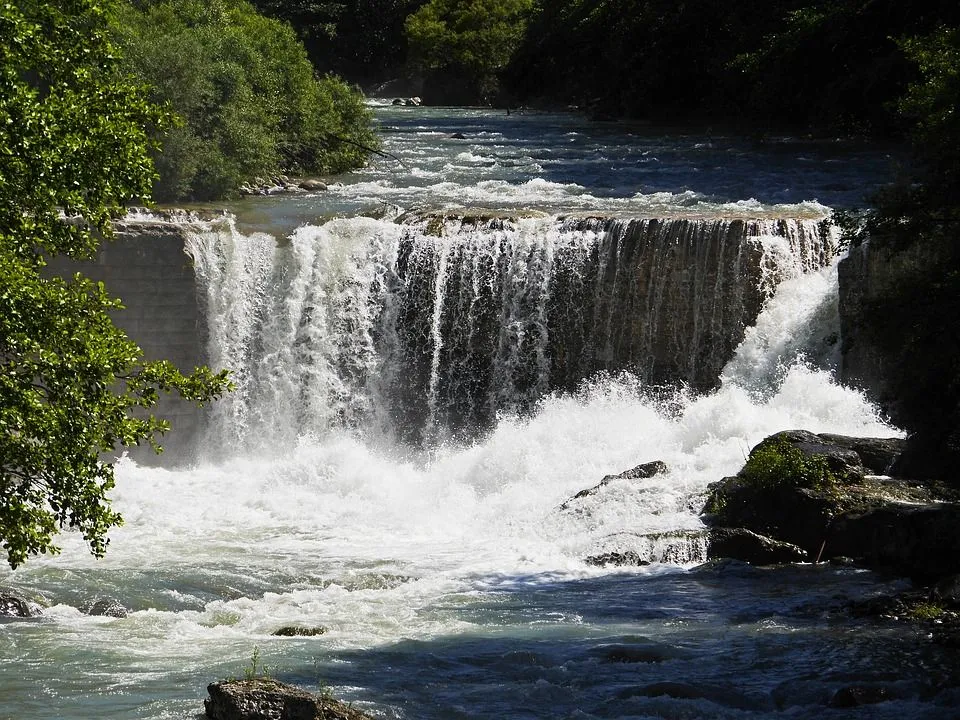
450 582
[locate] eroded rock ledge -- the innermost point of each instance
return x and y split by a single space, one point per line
828 496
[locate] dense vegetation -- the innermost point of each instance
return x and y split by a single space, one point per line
463 47
915 224
74 148
247 97
361 40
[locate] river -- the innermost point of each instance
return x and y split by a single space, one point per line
426 535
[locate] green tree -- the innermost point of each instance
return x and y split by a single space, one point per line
468 43
74 148
248 100
360 40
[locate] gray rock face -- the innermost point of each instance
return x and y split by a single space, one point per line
267 699
750 547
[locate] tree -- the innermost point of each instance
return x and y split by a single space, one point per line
74 149
360 40
468 43
248 100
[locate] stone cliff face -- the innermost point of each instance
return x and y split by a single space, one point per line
901 344
146 267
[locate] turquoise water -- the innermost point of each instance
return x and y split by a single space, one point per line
450 582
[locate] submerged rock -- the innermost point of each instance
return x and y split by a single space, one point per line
628 559
107 607
14 606
857 695
299 631
268 699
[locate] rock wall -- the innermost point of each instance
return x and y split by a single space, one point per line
146 267
901 344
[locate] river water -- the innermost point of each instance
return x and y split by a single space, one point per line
449 580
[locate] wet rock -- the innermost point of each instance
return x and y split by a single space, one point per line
458 136
748 546
640 472
628 558
947 591
313 185
881 522
106 607
299 631
857 695
14 606
918 541
267 699
876 454
638 652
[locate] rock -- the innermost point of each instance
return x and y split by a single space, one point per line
921 541
876 454
947 591
397 101
883 523
646 470
107 607
841 459
627 558
458 136
857 695
268 699
742 544
14 606
299 631
313 185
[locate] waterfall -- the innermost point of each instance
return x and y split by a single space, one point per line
429 327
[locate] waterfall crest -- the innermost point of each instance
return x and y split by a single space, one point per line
431 326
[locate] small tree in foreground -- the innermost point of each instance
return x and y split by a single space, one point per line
73 150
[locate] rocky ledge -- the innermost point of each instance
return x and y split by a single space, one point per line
810 497
268 699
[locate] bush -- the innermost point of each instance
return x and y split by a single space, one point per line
778 464
248 100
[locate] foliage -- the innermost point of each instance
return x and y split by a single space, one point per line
795 64
74 149
926 611
470 41
249 103
358 39
256 669
778 464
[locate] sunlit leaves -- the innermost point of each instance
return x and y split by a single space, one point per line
74 149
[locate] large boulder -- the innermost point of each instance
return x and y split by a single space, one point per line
268 699
824 495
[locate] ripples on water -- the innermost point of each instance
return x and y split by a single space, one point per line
449 580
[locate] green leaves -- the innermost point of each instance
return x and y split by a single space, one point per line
473 40
247 96
73 387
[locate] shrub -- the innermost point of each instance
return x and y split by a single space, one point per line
778 464
248 100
